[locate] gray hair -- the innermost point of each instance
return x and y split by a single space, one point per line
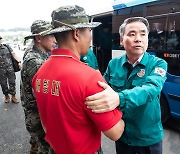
130 20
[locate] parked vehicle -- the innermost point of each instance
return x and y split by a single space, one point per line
164 41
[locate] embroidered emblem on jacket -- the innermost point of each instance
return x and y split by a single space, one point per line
141 73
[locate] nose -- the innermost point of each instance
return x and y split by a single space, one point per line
138 38
54 40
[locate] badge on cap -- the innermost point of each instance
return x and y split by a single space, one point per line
141 73
160 71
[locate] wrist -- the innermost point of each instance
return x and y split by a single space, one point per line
121 100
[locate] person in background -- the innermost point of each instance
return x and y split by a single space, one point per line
90 59
71 128
137 79
35 55
8 77
105 46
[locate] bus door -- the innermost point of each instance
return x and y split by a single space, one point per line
102 40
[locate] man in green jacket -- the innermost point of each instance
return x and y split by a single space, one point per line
90 59
136 79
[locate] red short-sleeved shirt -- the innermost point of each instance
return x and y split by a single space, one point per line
61 86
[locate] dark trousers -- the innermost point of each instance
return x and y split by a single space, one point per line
8 81
122 148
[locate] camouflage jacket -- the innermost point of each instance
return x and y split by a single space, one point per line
32 60
5 56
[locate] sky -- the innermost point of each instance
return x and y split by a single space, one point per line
21 13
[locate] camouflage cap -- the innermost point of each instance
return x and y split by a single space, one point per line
40 27
71 17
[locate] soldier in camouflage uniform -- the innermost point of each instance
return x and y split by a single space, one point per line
7 73
35 55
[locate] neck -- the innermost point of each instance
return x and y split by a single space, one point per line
70 47
132 59
41 48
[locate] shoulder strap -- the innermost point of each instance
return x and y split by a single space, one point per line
8 49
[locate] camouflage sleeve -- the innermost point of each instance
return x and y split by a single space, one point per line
32 67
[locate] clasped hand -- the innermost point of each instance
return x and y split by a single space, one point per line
104 101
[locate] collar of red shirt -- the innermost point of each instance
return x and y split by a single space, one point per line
63 52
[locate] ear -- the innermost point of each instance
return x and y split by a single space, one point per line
121 41
76 34
38 38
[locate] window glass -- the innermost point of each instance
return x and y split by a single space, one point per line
174 7
157 9
157 35
173 33
138 8
124 11
164 38
172 56
162 9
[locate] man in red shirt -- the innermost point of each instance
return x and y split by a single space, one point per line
62 84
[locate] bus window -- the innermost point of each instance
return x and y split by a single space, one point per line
157 9
157 34
138 8
162 9
174 7
173 35
172 56
125 11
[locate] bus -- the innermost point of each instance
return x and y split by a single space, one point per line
164 41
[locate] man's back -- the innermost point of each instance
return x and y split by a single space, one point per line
70 126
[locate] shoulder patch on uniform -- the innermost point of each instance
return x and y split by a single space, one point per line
160 71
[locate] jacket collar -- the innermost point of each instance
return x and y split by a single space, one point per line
143 61
64 52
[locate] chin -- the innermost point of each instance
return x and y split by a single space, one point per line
140 52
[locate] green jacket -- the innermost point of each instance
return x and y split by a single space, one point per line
139 98
90 59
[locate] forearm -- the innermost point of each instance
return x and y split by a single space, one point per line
116 131
16 57
140 95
